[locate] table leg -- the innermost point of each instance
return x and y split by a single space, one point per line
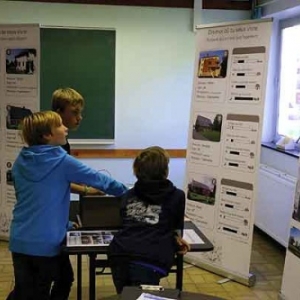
79 276
179 272
92 271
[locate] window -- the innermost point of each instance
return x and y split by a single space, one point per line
288 122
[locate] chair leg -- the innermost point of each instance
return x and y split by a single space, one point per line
92 269
179 271
79 276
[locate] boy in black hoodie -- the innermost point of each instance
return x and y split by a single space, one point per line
143 251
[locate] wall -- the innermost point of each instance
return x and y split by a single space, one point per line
154 67
282 162
281 8
154 64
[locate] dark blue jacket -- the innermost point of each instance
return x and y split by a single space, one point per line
151 212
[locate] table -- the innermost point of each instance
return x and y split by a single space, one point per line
93 251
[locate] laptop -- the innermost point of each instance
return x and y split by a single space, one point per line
99 212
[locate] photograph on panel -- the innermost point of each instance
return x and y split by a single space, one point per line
20 61
15 115
202 189
294 241
213 64
207 127
296 210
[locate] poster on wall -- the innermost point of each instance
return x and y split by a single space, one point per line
290 289
19 94
224 141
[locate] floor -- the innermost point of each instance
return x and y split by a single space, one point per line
267 264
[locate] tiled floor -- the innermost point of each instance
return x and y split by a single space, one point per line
267 264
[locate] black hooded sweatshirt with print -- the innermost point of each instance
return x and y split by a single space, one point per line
151 212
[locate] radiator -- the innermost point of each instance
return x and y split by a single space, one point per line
275 203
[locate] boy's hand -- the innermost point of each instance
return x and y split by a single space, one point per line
184 246
75 225
93 191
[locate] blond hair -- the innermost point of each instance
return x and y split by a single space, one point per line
152 164
63 97
34 127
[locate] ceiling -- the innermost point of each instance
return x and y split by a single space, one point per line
207 4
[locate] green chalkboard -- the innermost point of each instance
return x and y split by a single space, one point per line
83 59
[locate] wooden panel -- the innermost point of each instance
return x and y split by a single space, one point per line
207 4
227 4
155 3
263 2
120 153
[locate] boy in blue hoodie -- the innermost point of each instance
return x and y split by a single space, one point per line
143 251
42 174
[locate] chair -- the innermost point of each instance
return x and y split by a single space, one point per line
100 212
103 212
178 270
74 211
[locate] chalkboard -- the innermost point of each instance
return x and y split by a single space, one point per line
83 59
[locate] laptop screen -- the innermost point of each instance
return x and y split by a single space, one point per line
100 212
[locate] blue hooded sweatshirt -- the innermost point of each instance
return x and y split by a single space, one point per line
42 175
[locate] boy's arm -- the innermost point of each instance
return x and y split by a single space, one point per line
72 225
77 172
183 245
84 190
180 209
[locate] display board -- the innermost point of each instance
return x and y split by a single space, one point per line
224 141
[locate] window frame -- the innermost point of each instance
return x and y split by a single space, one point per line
285 23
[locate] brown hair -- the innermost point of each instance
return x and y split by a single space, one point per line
63 97
37 125
152 164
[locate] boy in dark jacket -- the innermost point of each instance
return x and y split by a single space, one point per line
69 104
143 251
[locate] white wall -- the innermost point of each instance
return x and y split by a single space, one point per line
154 69
281 8
154 64
282 162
